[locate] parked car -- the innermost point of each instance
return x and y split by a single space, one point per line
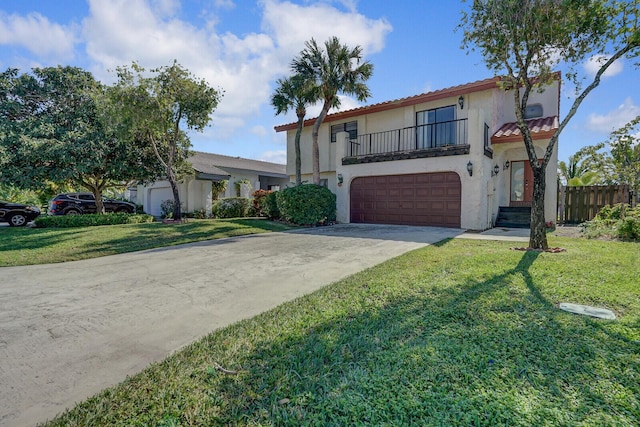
17 214
85 203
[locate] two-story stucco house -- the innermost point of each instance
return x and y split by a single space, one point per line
450 158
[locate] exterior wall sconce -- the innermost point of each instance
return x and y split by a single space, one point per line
506 165
461 102
340 179
470 168
496 169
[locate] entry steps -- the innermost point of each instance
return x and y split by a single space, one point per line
514 217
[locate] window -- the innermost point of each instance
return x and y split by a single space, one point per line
351 128
488 151
532 111
273 188
487 140
324 183
436 127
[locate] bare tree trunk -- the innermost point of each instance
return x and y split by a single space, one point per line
97 194
538 235
298 154
316 161
177 211
315 151
96 190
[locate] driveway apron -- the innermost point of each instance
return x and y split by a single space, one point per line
69 330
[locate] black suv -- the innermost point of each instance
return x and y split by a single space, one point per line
85 203
17 214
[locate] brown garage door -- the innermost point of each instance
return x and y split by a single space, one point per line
416 199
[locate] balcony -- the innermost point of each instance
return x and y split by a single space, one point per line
431 140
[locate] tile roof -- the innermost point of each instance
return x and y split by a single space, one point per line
463 89
541 128
217 164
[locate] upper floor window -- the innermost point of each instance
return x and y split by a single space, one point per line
436 127
488 151
533 111
487 139
350 127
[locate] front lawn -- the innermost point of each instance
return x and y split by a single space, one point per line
463 333
25 246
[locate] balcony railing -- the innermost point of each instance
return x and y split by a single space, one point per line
415 138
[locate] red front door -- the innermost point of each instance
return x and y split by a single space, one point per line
521 183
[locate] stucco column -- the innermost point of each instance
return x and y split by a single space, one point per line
342 189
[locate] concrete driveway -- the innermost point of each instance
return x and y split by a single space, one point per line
69 330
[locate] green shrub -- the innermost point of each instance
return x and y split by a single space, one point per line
628 228
238 184
260 202
167 208
231 207
614 212
271 205
69 221
618 221
197 214
307 204
218 187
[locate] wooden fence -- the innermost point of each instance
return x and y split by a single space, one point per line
580 204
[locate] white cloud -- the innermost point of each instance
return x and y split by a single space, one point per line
596 62
279 156
224 4
37 34
121 31
245 66
293 24
605 123
259 130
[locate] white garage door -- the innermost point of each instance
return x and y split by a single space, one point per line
156 197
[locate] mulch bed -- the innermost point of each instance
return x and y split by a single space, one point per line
550 250
174 221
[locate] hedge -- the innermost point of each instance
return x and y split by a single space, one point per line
87 220
231 207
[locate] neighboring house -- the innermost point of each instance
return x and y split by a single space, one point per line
450 158
196 190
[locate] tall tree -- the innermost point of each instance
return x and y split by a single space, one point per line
294 93
621 163
56 132
331 70
624 144
159 108
526 39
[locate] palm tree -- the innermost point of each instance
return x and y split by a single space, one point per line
581 169
586 178
336 69
294 92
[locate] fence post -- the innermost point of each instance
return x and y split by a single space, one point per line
562 204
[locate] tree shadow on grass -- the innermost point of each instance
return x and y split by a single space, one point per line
476 354
146 237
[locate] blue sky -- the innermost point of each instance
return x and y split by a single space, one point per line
243 46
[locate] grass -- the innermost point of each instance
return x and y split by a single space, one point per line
463 333
26 246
